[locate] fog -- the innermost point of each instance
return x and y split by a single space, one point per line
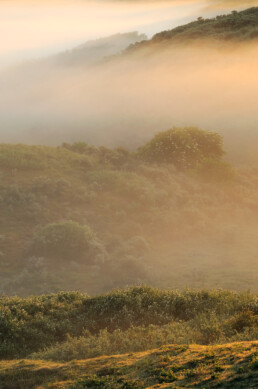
61 93
32 29
124 100
38 28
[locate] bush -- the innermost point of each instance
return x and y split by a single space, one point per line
80 148
21 203
127 185
118 342
215 170
31 324
242 320
119 158
204 329
183 147
63 240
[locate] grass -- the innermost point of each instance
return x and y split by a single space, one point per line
228 366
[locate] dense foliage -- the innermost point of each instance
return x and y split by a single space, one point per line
184 147
31 324
203 329
64 240
81 217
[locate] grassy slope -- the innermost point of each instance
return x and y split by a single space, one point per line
228 366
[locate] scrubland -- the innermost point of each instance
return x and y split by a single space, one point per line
132 264
78 217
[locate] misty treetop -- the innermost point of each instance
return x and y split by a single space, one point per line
183 147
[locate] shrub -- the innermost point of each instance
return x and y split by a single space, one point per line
201 330
80 148
21 203
215 170
31 324
63 240
241 321
36 158
58 187
119 158
125 184
183 147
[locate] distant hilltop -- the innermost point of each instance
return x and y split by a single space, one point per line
236 26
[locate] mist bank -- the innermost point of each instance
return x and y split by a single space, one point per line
200 74
124 101
40 28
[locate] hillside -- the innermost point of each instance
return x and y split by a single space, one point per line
239 26
70 340
228 366
133 220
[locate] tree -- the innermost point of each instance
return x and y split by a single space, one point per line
64 240
183 147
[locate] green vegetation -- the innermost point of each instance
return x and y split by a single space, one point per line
63 240
184 147
84 218
116 322
235 27
79 217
